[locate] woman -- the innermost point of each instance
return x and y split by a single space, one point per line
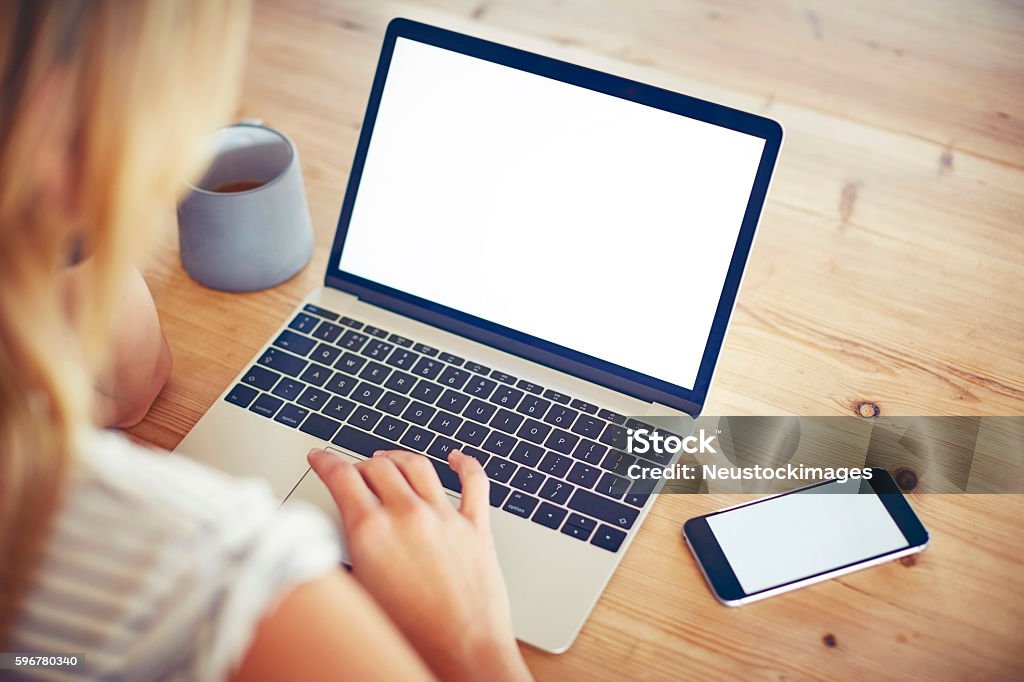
152 566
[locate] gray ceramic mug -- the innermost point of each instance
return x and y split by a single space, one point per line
245 225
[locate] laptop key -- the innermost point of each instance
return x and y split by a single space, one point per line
499 469
477 368
529 386
266 405
451 359
556 465
472 433
520 504
453 377
507 397
367 394
378 350
351 363
534 407
400 382
427 391
417 439
579 527
325 354
603 509
608 538
349 322
534 431
612 485
503 378
291 415
316 310
328 331
453 401
499 444
392 403
296 343
619 462
528 480
352 340
260 377
479 387
527 453
341 383
506 421
562 417
556 491
365 418
584 406
478 455
289 389
315 374
637 499
575 531
583 475
375 372
283 362
425 367
400 341
425 349
549 515
375 331
241 395
365 444
449 479
556 396
320 426
480 411
614 435
562 441
445 423
314 398
303 323
442 447
390 428
613 417
339 408
589 451
588 426
402 359
418 413
498 493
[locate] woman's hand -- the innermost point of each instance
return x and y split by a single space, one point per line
432 568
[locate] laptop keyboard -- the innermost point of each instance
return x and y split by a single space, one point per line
550 457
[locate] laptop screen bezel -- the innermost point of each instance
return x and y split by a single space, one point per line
573 362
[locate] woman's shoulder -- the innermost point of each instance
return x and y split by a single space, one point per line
170 562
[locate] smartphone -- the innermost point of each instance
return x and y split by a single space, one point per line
804 536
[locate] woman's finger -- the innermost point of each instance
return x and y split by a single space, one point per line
420 474
475 487
387 482
346 486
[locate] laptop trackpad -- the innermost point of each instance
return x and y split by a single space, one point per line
312 490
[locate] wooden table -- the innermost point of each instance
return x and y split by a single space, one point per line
888 270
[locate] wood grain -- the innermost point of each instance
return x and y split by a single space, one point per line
887 275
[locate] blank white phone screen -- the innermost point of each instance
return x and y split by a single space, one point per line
554 210
803 534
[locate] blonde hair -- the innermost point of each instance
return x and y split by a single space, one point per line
135 87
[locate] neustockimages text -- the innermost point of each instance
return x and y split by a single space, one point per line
644 441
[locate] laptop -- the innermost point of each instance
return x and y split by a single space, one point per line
532 257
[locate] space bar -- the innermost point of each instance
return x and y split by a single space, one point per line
362 443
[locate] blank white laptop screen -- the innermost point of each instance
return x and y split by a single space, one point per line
589 221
